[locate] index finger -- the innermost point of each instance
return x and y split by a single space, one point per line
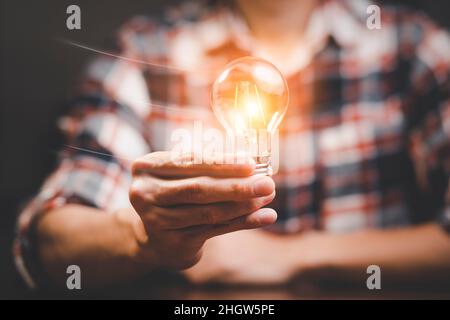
165 164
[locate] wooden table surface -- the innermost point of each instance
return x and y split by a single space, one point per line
173 288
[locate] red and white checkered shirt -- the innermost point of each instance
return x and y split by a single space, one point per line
364 143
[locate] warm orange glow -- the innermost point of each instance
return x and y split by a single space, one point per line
250 98
250 94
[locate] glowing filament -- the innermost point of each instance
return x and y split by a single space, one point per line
248 105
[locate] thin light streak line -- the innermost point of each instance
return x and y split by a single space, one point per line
184 109
139 61
153 105
97 152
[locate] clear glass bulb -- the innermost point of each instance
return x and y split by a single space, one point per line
250 98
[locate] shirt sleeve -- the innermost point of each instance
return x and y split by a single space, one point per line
104 132
428 121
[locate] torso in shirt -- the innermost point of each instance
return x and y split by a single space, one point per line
343 157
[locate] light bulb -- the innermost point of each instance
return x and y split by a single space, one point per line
250 98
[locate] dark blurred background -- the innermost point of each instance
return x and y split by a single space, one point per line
37 76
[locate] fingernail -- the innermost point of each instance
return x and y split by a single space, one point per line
268 199
267 216
263 186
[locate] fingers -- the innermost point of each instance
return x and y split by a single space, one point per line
180 199
199 190
260 218
209 214
165 164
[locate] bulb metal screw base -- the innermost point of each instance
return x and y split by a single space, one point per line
264 169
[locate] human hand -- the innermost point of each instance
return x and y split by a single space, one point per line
182 204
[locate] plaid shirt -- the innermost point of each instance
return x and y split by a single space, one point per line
364 143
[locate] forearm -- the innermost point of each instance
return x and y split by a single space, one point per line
413 255
105 246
